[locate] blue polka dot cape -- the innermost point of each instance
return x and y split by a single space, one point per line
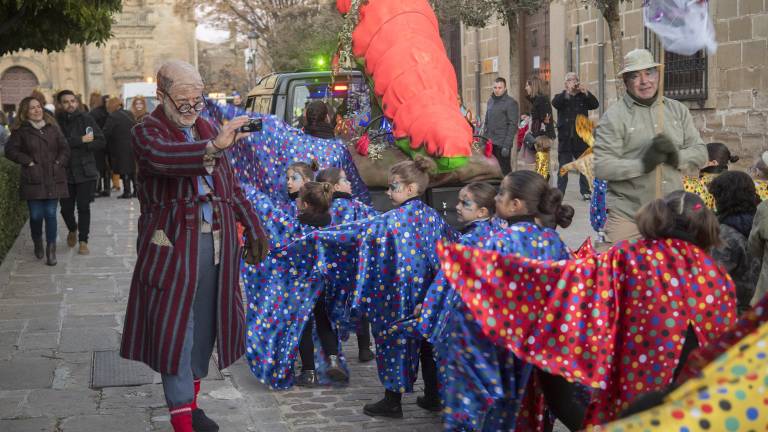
279 306
440 298
379 268
262 159
484 386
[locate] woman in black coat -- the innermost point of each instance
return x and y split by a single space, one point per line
37 144
117 130
541 111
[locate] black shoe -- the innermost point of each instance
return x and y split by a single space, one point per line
429 403
586 197
124 196
38 248
384 408
203 423
307 378
50 254
105 193
133 195
335 372
365 355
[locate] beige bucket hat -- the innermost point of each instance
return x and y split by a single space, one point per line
637 60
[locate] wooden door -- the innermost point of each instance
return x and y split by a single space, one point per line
16 84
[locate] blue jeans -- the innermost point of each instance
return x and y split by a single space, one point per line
39 210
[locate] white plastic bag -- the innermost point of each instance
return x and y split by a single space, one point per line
683 26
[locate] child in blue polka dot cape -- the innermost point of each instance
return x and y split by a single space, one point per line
344 209
285 317
486 388
384 265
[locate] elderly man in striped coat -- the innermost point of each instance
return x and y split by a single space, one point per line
185 293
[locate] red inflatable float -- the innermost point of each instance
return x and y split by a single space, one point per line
399 42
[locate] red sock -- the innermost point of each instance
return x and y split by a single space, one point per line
197 390
181 418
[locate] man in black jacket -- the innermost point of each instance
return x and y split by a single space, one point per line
572 101
501 119
81 172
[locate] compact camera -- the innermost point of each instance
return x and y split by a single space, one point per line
254 125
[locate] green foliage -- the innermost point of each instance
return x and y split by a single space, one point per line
476 13
304 38
13 211
53 24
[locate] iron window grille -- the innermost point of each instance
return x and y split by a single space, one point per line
685 77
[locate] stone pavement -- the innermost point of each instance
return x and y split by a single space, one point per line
52 319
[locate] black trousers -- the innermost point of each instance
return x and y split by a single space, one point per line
363 333
328 338
80 194
564 157
504 161
104 182
129 184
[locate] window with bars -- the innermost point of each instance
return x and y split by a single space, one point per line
685 77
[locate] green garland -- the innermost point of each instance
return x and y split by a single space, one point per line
346 58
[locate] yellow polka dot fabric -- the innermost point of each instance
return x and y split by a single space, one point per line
730 395
700 187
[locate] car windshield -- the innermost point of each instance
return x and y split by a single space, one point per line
349 93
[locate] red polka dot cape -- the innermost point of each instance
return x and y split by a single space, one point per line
615 322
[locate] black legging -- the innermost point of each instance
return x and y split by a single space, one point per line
328 339
363 334
562 400
561 394
428 370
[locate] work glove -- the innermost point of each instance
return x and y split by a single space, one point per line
661 150
663 144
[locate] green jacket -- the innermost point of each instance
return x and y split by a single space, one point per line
757 246
622 137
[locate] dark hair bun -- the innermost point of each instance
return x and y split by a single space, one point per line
552 204
564 215
314 165
734 159
550 201
425 164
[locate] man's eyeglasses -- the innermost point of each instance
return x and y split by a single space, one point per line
187 107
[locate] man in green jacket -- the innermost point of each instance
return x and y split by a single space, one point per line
643 144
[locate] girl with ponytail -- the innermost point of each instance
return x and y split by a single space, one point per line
314 203
345 209
602 321
478 369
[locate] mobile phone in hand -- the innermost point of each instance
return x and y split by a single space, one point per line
254 125
89 130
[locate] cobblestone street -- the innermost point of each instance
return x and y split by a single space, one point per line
53 319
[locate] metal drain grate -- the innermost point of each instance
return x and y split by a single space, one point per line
108 369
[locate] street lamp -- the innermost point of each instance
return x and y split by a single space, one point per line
253 39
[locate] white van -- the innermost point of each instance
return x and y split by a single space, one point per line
148 90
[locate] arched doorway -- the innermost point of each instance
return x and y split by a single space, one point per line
16 83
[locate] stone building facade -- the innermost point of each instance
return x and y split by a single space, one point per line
726 92
145 34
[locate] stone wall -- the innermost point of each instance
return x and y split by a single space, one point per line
736 110
494 42
146 33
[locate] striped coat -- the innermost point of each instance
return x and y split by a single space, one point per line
165 275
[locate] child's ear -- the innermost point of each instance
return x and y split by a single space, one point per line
484 213
412 189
